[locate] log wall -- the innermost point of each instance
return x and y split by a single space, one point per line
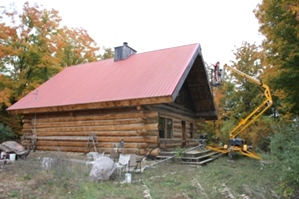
138 127
69 131
177 128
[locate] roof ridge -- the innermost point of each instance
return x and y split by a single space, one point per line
167 48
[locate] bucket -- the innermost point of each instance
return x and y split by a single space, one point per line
12 156
128 177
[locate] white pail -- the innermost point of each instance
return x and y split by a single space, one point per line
128 177
12 156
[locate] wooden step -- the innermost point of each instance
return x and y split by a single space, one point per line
189 153
195 152
198 163
199 157
205 161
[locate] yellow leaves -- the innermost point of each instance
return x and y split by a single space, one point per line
34 47
5 96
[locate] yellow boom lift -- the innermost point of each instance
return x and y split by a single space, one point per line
237 144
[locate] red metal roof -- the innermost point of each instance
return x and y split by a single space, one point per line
144 75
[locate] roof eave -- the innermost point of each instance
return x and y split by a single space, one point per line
94 105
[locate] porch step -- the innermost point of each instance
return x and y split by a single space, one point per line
195 157
199 163
200 157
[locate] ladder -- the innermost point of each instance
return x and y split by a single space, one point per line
92 141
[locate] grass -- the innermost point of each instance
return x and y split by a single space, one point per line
241 178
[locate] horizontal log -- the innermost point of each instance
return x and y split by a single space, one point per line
26 131
85 133
139 139
171 145
177 134
102 128
99 133
154 152
87 123
149 133
83 144
82 150
177 116
171 140
112 116
178 126
27 120
152 145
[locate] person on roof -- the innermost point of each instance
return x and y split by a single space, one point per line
216 72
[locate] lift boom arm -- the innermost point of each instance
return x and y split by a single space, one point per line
265 105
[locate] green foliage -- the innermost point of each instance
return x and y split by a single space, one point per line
241 97
209 131
279 24
108 53
262 133
6 133
179 151
284 147
228 125
244 96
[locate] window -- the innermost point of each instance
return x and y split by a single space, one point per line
165 127
191 130
169 128
162 127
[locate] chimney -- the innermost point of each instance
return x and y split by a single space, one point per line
123 52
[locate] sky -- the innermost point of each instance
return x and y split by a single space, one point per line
220 26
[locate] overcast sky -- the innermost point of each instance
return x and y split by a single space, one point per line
218 25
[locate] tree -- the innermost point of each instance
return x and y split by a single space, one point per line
279 24
33 48
241 96
247 61
108 53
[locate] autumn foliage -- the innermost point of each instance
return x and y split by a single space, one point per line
279 24
33 48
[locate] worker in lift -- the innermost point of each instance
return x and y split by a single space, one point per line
217 73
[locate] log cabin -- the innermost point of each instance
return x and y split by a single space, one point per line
146 99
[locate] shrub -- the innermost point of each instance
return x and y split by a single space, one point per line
285 149
6 133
